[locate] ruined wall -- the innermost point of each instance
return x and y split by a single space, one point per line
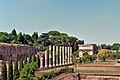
14 51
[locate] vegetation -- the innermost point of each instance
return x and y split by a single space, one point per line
38 61
42 40
25 60
21 65
4 72
27 72
99 72
114 55
103 54
10 70
16 71
82 60
34 58
30 59
115 46
53 73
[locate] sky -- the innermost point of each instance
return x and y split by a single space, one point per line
94 21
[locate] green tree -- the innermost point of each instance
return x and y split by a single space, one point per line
14 32
54 33
4 72
75 56
103 54
10 70
3 38
34 58
115 46
30 59
16 71
21 64
20 38
113 55
13 36
103 46
38 61
30 43
71 40
25 60
35 36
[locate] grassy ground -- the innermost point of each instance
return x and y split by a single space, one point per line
108 67
99 72
106 63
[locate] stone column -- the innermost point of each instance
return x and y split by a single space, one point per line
46 61
53 56
63 56
56 55
60 55
41 62
70 55
50 56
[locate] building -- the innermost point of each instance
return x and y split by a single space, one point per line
90 49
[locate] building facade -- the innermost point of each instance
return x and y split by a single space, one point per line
90 49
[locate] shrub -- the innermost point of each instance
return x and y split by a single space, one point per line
53 73
27 72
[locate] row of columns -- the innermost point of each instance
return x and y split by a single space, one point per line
57 56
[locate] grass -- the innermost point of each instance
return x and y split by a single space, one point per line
108 63
98 72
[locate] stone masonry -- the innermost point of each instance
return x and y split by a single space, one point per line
14 51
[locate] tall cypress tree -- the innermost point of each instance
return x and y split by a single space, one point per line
34 58
25 61
21 64
10 70
4 72
16 71
30 59
38 61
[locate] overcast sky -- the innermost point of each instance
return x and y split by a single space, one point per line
95 21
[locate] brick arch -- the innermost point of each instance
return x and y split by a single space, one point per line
85 52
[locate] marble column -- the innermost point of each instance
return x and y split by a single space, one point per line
60 55
63 56
41 62
56 55
50 56
53 56
46 61
70 55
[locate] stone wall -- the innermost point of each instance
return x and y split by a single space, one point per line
14 51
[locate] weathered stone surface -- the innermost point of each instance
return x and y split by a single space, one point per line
14 51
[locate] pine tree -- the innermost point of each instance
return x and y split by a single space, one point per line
4 72
38 61
10 70
34 58
21 64
16 71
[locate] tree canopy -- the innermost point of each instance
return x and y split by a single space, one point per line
43 40
103 54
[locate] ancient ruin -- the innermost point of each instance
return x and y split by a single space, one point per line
15 51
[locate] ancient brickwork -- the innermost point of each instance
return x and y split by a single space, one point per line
14 51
